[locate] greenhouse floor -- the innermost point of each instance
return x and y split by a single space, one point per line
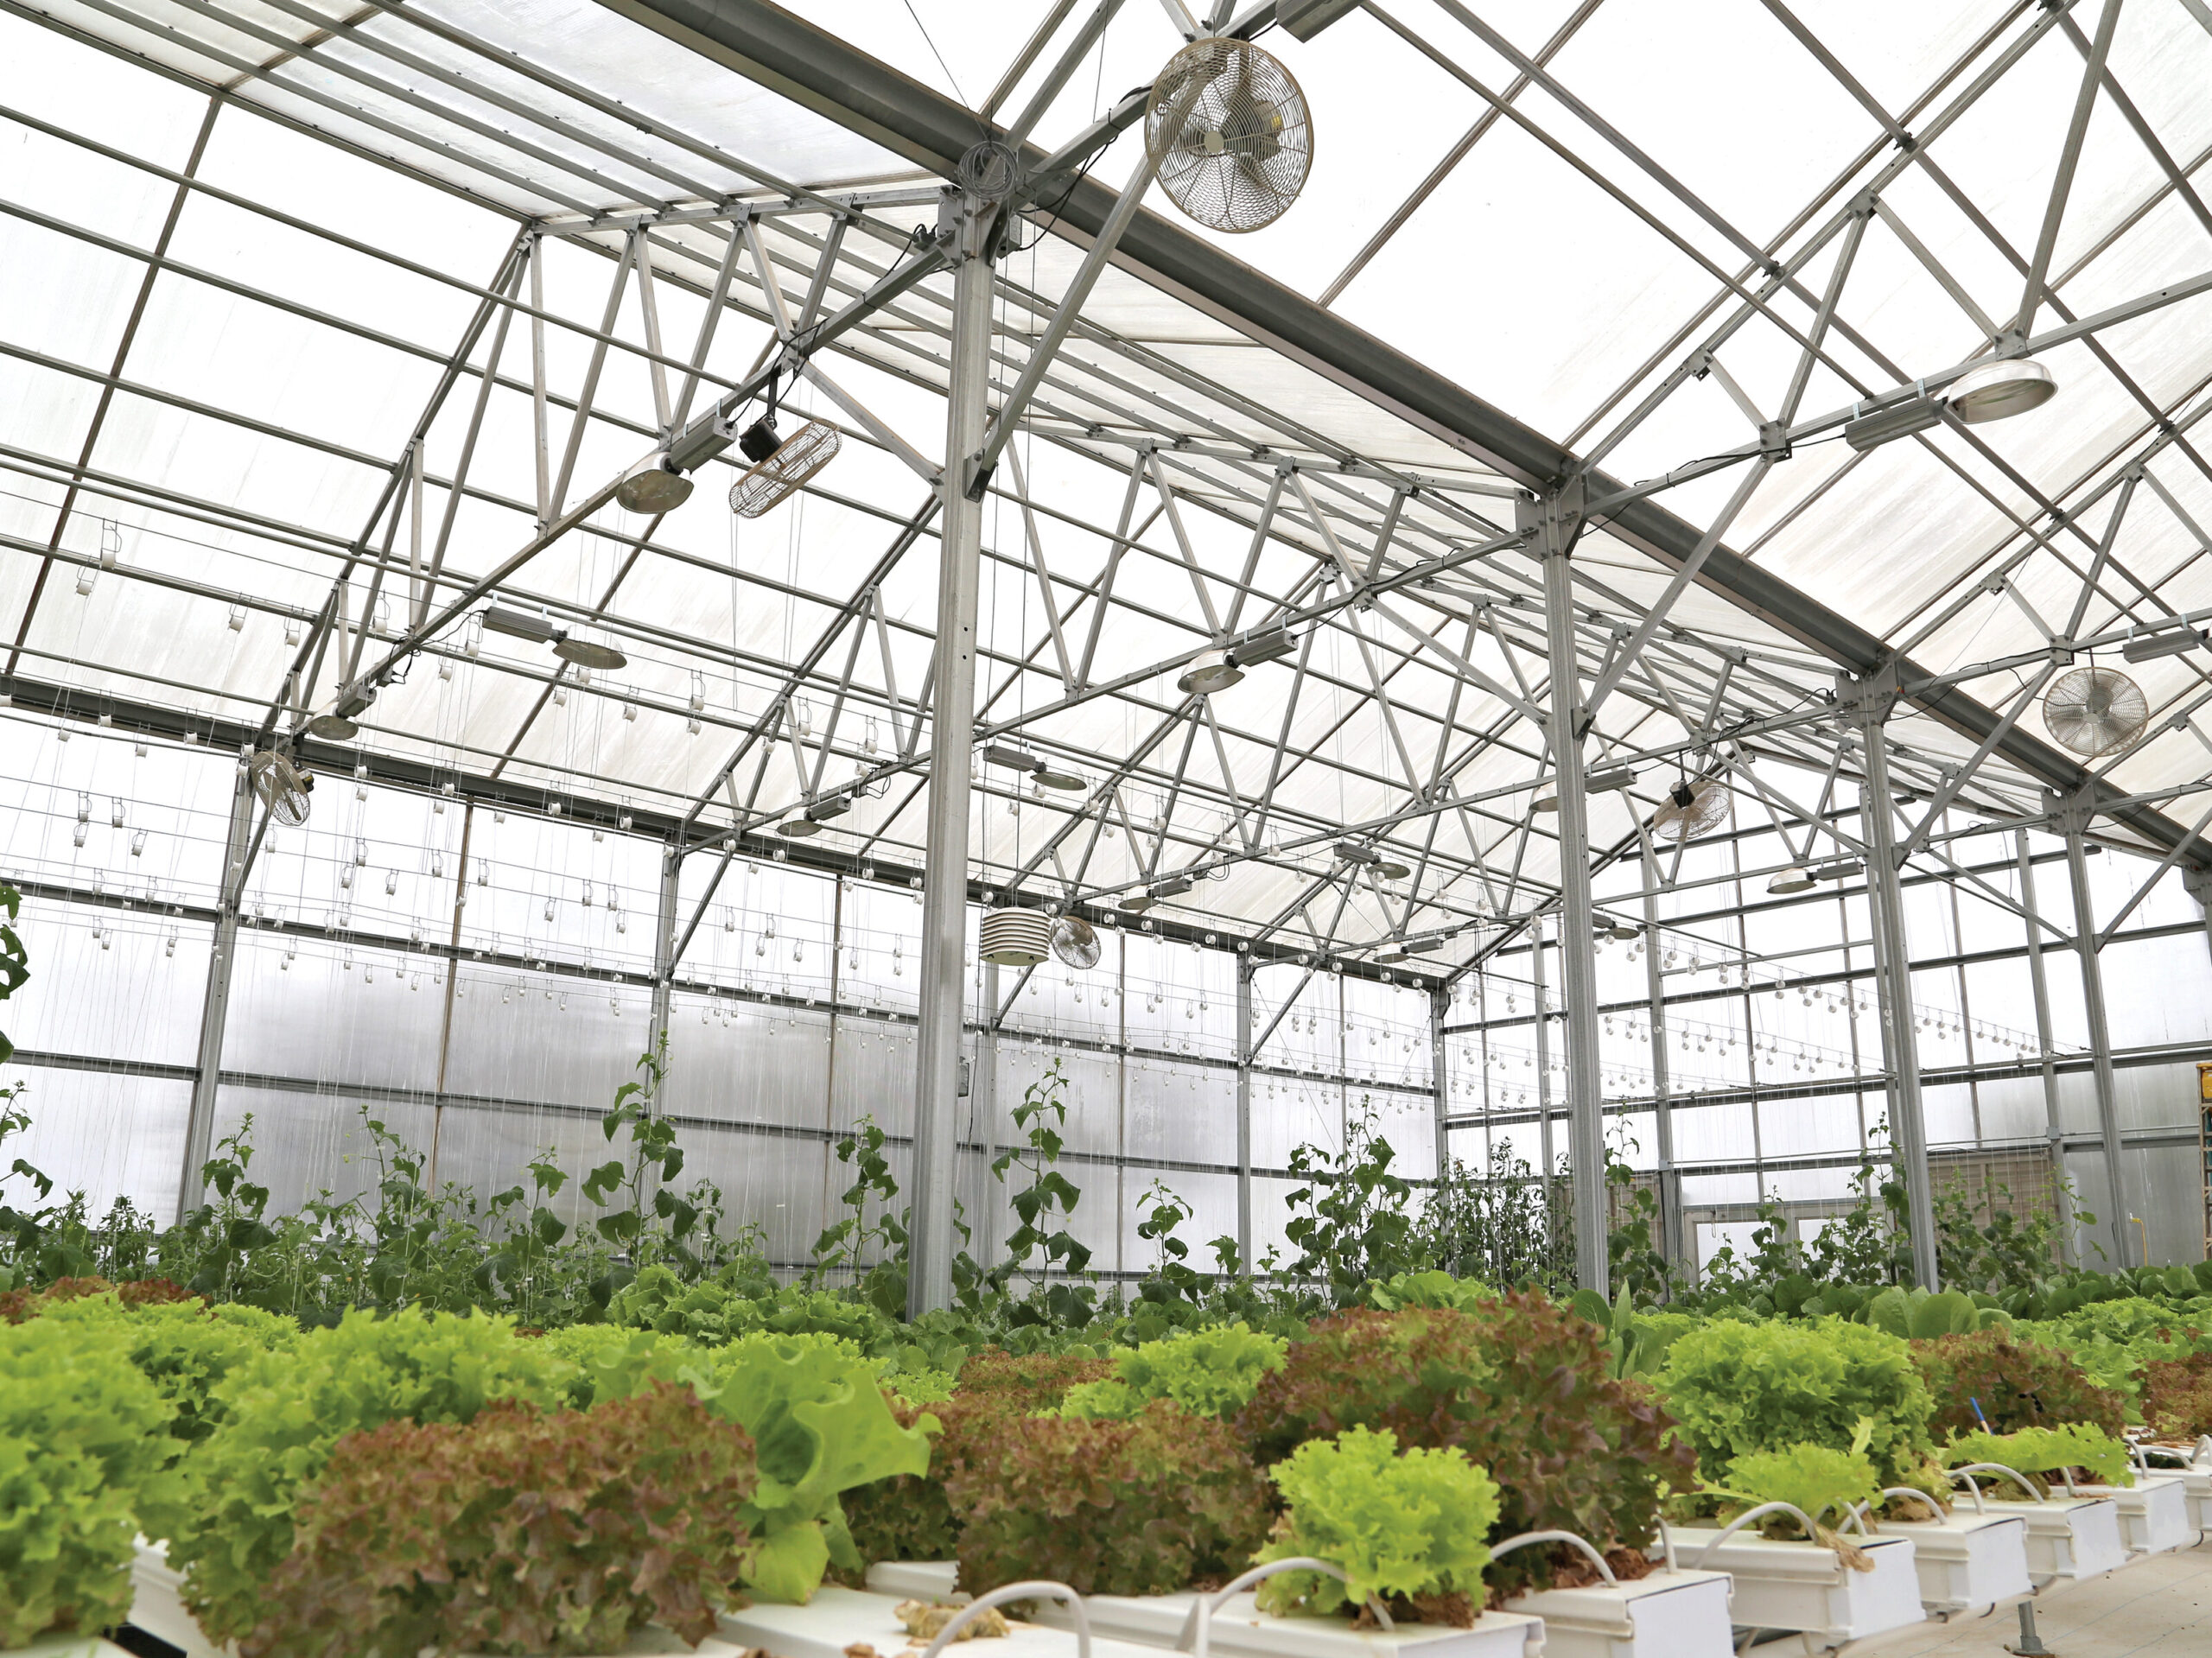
2162 1607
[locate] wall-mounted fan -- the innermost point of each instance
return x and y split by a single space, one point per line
2094 710
281 787
1690 809
1229 134
1076 943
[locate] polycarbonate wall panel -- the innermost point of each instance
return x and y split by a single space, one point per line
106 1133
312 1011
132 992
306 1143
1186 1113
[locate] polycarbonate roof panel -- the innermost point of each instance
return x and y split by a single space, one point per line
344 265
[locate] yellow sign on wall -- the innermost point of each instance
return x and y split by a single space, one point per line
2204 1080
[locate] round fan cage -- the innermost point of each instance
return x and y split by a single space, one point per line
1705 809
282 787
1228 132
2093 711
1076 941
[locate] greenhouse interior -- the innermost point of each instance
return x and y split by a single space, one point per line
1611 870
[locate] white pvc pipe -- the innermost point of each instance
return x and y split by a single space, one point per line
1033 1590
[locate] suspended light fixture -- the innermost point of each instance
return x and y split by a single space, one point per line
2000 390
1796 879
652 486
797 825
2160 642
1210 671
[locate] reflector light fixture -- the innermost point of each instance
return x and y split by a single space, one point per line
1999 391
532 625
1798 879
1210 671
652 486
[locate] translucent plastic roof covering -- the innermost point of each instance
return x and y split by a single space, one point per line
256 252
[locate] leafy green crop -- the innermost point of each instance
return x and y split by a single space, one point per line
1209 1372
1142 1506
820 1424
522 1531
1738 1388
1517 1383
1813 1478
2045 1450
283 1411
83 1445
2016 1384
1408 1525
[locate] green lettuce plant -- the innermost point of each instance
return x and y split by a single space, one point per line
1209 1372
1405 1525
1817 1479
1738 1387
2045 1450
283 1411
1519 1384
820 1424
522 1531
1142 1506
84 1444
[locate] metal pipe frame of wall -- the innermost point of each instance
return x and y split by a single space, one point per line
1244 1057
1673 1243
2069 1246
1556 523
1440 1004
1893 984
983 1103
2093 1001
944 871
214 1007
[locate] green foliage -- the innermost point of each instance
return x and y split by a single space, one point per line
1738 1387
1517 1383
820 1424
83 1446
909 1517
1817 1479
2015 1384
1502 1222
184 1348
1142 1506
521 1531
1349 1222
1432 1288
1172 1282
1041 1245
1029 1382
1406 1526
874 1249
283 1412
1209 1372
2114 1340
2045 1451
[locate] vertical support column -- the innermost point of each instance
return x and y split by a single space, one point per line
1672 1242
214 1006
1557 521
664 931
2076 817
2197 883
2054 1129
983 1105
1244 1057
944 869
1893 982
453 989
1439 1079
1536 984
